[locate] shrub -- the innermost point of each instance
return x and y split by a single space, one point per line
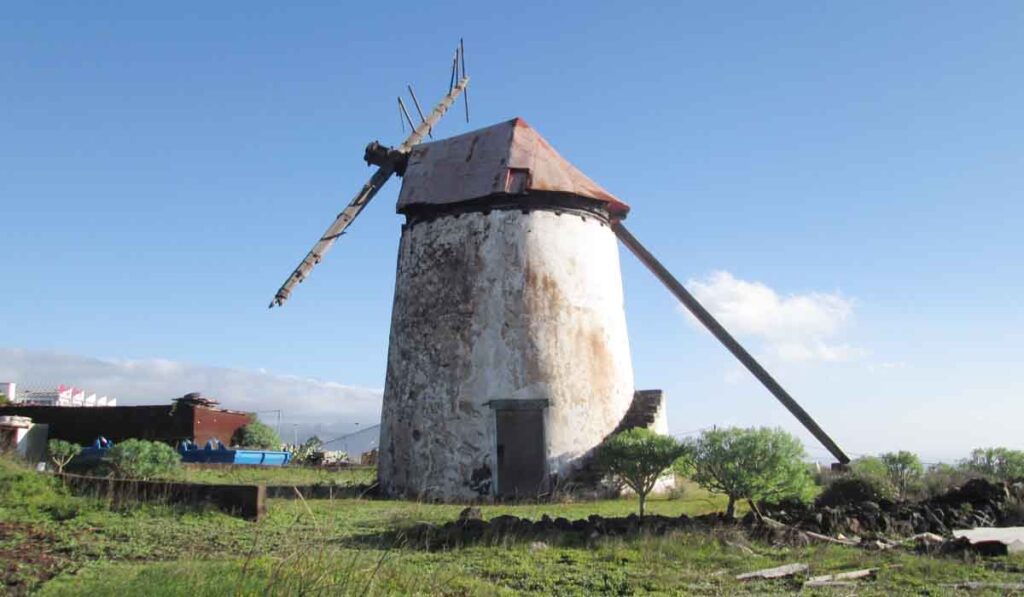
849 489
310 452
1002 464
752 464
638 457
891 476
872 471
904 470
141 459
941 478
258 436
61 453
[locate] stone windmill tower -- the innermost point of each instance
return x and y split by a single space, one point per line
509 359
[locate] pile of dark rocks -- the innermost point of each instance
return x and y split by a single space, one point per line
978 503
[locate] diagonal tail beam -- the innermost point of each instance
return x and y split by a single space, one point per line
727 340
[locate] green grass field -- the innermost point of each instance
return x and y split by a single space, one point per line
58 544
287 475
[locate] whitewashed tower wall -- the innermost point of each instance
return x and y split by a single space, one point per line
522 301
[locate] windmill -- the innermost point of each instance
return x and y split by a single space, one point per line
508 358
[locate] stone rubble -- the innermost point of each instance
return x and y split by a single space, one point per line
926 525
978 503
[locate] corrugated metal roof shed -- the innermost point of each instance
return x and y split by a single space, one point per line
510 157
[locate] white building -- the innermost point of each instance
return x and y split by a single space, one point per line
10 390
21 436
62 396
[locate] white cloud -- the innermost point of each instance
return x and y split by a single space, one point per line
313 405
796 327
884 367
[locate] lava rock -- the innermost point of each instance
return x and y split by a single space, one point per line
977 492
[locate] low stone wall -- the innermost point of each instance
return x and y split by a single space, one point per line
470 529
870 525
246 501
321 492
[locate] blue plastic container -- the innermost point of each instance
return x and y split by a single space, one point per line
217 453
91 455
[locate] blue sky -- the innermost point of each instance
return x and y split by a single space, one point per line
852 171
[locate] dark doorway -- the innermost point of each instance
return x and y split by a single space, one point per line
521 458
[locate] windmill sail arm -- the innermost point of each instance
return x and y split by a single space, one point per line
348 215
333 232
435 115
727 340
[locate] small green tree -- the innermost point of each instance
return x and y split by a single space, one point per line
751 464
874 472
61 453
638 457
141 459
904 470
256 435
1003 464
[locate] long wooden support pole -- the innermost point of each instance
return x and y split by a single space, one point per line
726 339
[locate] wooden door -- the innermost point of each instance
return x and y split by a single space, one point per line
521 457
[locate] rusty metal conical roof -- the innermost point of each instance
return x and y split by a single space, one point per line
506 158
